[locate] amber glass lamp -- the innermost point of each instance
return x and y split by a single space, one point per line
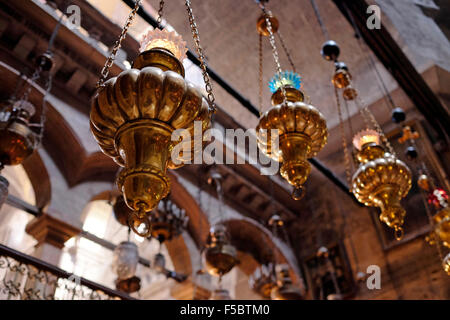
17 139
134 115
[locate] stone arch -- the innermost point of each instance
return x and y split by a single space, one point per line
250 237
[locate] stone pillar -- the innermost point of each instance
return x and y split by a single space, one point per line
51 234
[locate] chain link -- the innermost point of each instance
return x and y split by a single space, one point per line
201 56
160 13
274 48
260 98
344 140
110 60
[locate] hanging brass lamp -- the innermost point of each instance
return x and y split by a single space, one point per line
17 139
134 115
381 180
219 256
446 264
301 128
285 289
263 280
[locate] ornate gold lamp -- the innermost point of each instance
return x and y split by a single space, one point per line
134 115
301 129
381 180
17 139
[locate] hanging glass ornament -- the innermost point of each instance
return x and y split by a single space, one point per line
219 256
17 139
125 260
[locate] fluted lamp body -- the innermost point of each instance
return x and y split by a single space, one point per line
133 117
302 133
382 180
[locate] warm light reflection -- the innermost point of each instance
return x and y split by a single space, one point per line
168 40
364 137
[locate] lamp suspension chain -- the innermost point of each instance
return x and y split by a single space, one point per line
160 13
110 60
274 48
201 56
260 97
344 141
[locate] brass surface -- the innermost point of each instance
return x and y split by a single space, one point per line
349 93
369 152
302 134
17 142
341 79
442 226
382 183
132 119
261 25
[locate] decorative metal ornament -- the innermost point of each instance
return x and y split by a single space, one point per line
302 133
219 256
134 115
263 280
441 227
168 221
381 181
261 24
125 260
17 139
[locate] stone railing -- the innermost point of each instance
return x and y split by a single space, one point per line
23 277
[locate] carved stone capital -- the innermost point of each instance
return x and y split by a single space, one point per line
48 229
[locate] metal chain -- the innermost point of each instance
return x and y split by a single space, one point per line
110 61
286 51
160 13
274 48
260 97
201 56
344 141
